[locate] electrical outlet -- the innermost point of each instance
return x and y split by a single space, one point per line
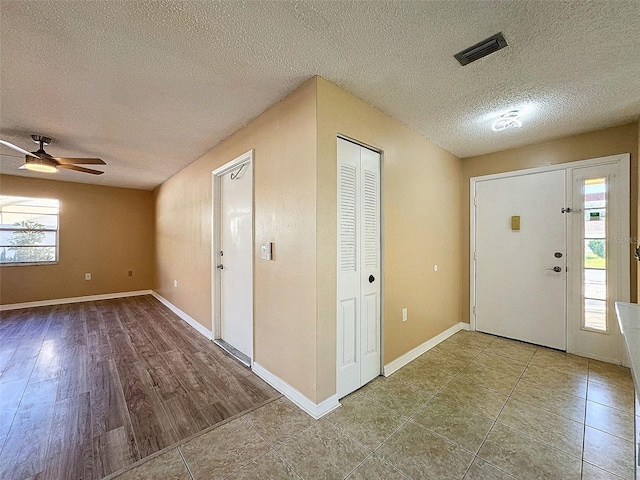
131 273
175 283
404 314
87 276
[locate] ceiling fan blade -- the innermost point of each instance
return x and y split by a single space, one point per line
79 161
80 169
17 149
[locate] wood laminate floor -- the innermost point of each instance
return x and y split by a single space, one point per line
89 388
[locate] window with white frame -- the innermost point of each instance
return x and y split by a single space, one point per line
28 230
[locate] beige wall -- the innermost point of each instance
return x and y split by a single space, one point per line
295 168
283 139
103 230
601 143
422 192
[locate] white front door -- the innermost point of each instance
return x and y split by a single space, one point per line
234 256
521 269
358 314
518 226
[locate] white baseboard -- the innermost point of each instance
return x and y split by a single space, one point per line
316 410
184 316
61 301
411 355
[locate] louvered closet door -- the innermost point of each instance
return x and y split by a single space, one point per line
358 314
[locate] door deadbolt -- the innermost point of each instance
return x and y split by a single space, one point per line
371 279
557 255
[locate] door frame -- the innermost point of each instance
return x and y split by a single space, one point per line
381 241
216 241
623 162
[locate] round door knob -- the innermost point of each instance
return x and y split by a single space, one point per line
371 279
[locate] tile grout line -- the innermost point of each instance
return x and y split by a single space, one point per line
529 363
273 447
584 423
510 396
185 463
608 433
475 455
584 426
410 417
496 421
529 436
374 450
584 440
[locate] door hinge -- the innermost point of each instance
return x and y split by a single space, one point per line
474 310
475 201
475 255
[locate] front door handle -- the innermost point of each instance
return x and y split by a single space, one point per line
556 269
221 267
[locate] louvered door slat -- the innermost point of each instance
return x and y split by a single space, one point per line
370 219
347 225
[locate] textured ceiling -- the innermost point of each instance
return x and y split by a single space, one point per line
151 86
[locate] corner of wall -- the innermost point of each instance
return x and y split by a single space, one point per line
326 248
636 161
416 172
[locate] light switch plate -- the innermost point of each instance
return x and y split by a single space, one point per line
266 251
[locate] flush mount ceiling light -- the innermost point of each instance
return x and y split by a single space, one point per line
507 120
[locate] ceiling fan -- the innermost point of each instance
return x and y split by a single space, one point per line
41 161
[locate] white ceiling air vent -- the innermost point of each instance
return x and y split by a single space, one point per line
482 49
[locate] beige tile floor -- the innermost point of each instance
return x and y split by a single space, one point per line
474 407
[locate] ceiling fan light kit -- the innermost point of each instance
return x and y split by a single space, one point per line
41 161
39 165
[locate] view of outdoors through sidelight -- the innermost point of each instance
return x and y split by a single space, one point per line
28 230
594 267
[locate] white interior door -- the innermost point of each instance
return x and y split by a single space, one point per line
235 258
358 313
518 294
